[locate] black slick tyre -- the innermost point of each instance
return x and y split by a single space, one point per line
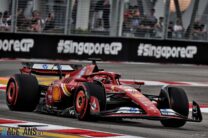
22 92
176 99
82 100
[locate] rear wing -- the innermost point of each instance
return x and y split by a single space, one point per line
48 68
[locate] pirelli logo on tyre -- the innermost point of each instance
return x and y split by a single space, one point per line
149 50
12 45
88 48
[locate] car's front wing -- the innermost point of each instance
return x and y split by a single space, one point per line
132 112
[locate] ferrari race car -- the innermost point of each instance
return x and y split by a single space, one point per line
90 93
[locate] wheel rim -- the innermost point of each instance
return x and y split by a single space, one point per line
80 101
11 92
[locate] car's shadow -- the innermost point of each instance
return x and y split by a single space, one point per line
129 122
136 123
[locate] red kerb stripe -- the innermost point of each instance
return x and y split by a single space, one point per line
85 132
2 88
201 105
7 121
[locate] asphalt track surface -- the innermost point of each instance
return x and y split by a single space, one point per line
142 128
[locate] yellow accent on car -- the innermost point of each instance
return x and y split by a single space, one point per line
65 90
56 94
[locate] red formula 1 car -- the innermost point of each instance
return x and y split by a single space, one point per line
89 93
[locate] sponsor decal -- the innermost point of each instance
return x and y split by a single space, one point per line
128 110
133 110
167 112
89 48
149 50
3 131
45 66
23 45
49 130
20 131
52 67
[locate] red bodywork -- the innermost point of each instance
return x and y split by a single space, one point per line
67 85
59 95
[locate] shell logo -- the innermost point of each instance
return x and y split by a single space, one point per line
56 93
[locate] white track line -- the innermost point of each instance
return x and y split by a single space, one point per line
175 83
2 87
203 109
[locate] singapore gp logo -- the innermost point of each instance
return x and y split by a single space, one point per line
23 45
89 48
149 50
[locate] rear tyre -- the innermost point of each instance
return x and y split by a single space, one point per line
84 95
22 93
176 99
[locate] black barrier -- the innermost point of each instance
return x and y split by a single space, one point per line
111 49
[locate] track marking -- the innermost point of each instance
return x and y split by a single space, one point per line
7 132
203 107
162 83
86 133
9 121
60 131
3 80
2 87
203 110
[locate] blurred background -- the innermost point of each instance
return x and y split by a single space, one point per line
159 19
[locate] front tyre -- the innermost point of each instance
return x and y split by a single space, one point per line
89 98
176 99
22 93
